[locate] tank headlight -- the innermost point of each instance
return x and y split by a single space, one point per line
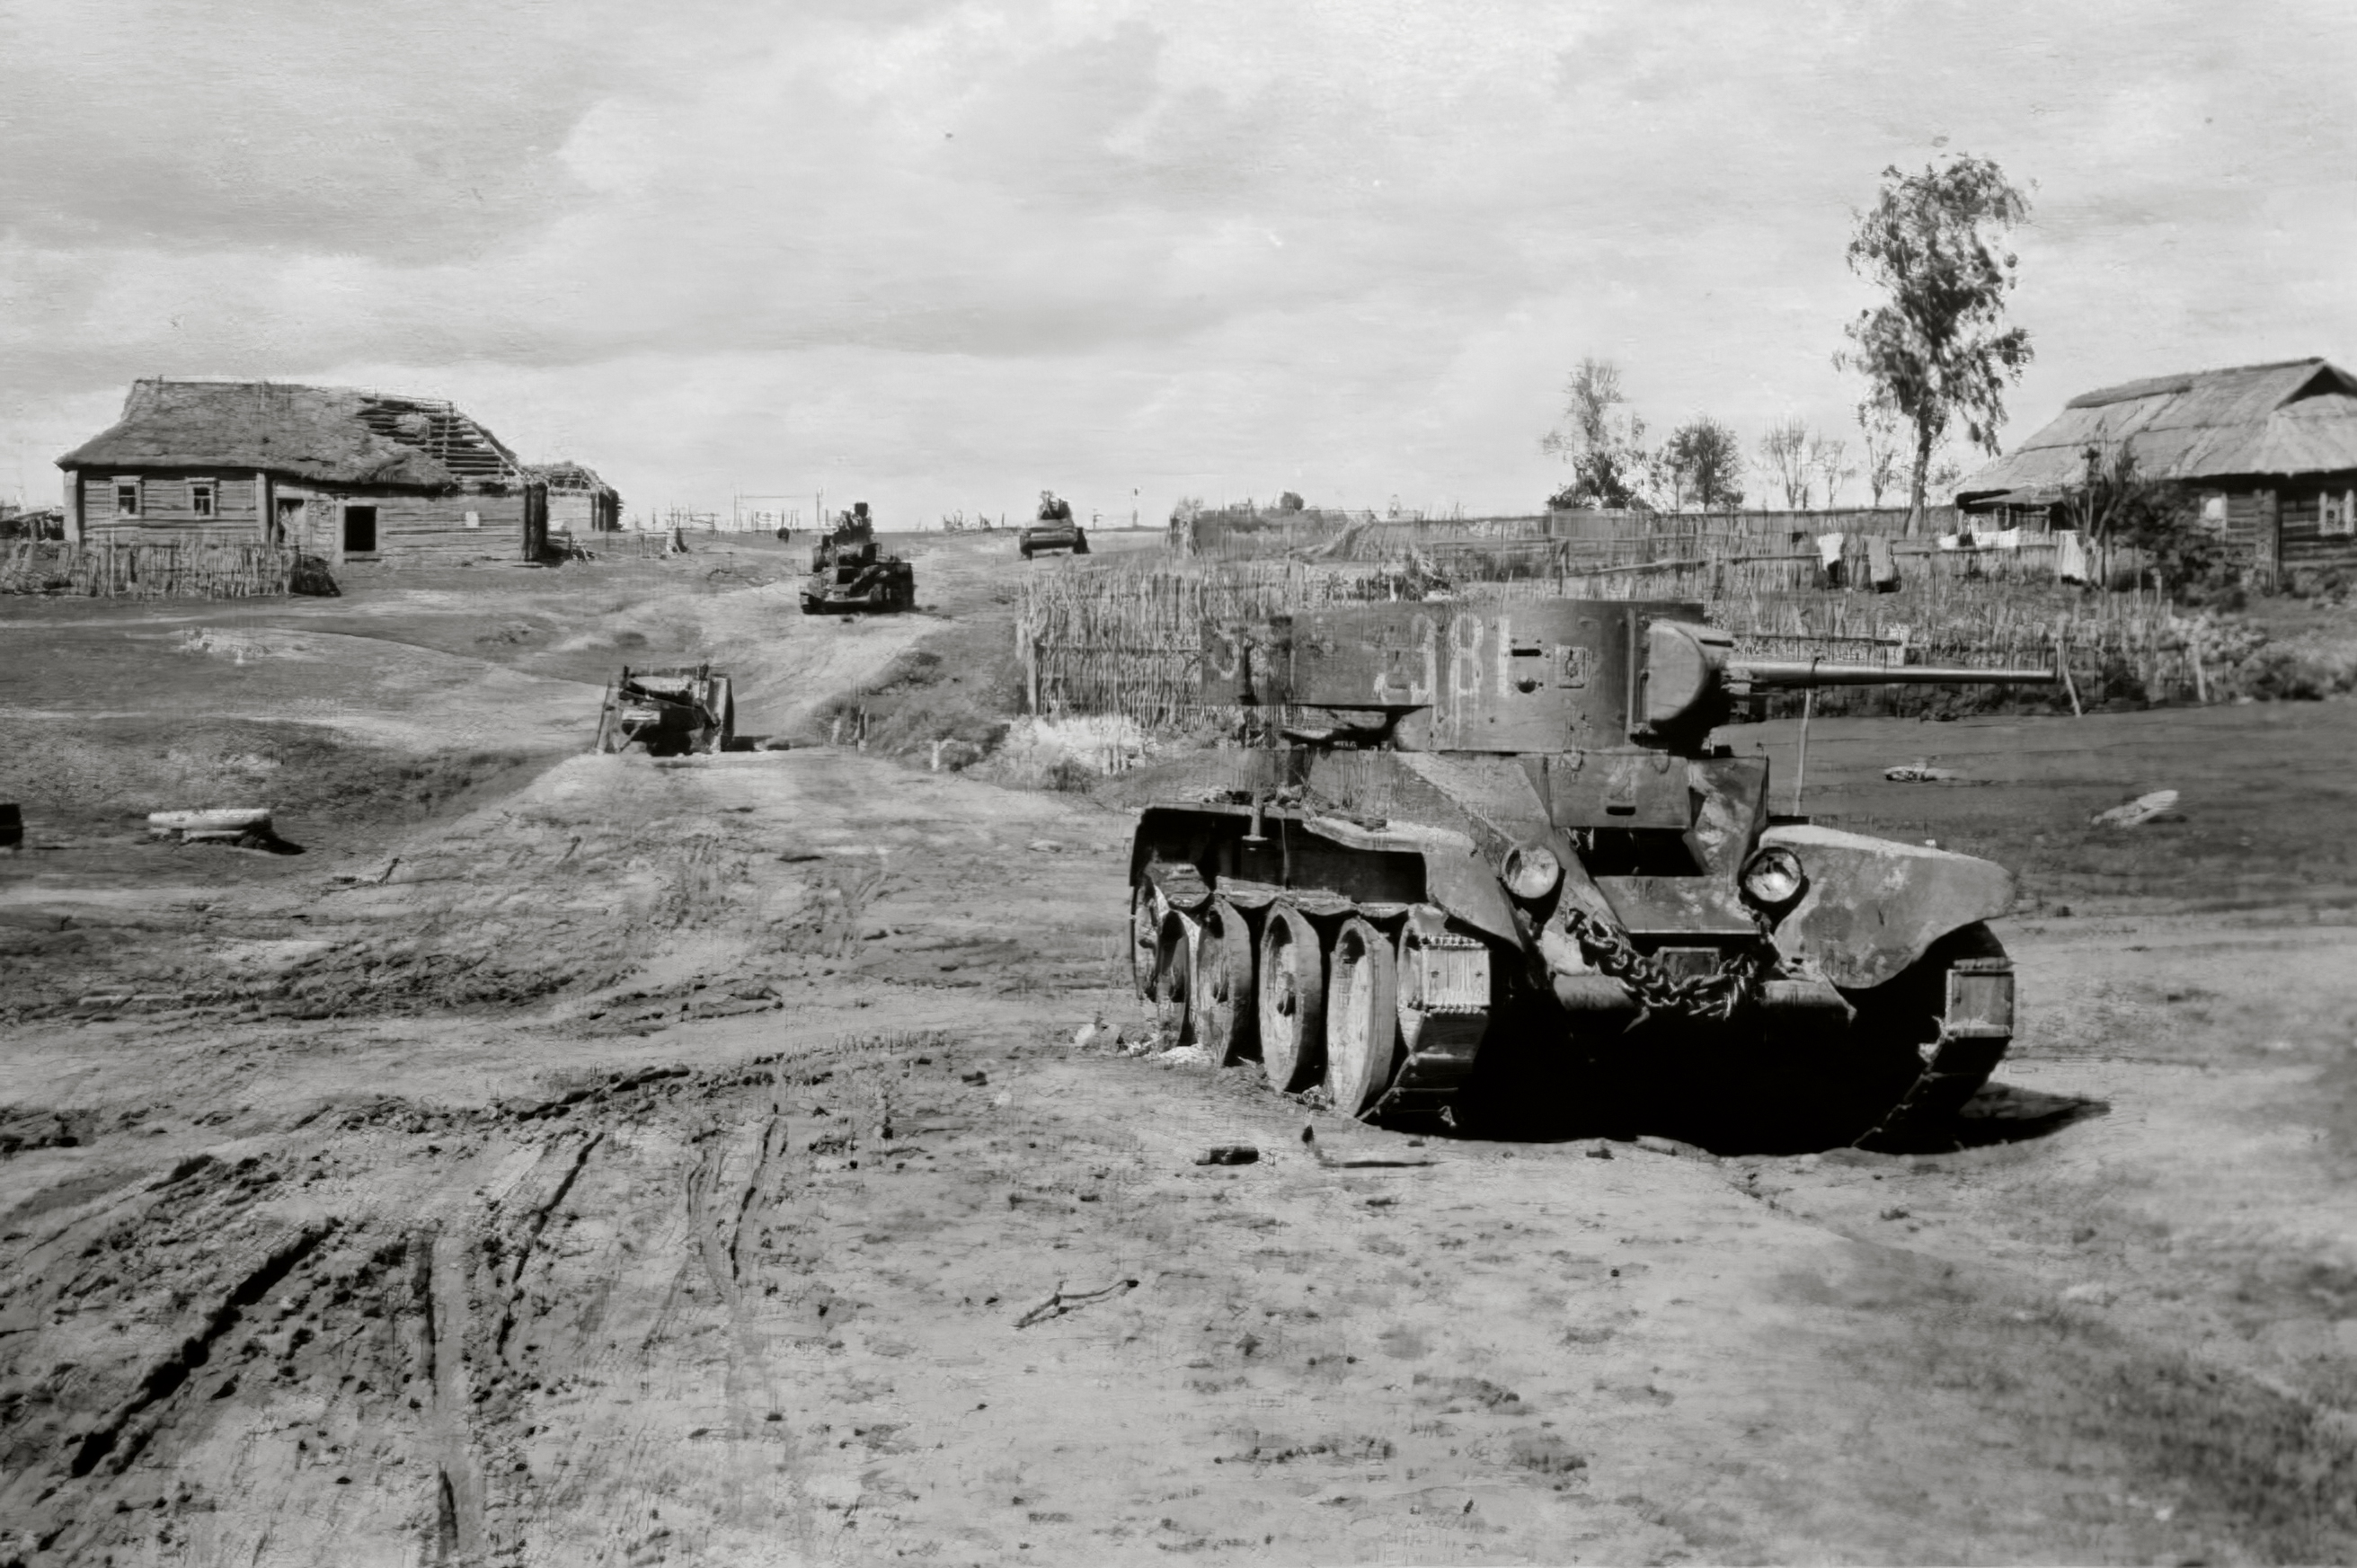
1532 871
1773 877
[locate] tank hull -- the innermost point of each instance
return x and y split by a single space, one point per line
1717 1022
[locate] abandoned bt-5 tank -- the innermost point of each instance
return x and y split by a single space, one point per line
682 708
1486 860
849 572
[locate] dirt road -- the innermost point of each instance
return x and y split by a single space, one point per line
723 1161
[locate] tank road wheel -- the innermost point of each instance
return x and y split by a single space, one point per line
1362 1034
1931 1036
1174 980
1292 993
1146 911
1224 1001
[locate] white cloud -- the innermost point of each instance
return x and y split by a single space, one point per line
937 249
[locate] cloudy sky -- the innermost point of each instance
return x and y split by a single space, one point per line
941 254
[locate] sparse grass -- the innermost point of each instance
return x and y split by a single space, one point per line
1069 753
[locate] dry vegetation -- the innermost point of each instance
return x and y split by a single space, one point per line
208 569
1125 637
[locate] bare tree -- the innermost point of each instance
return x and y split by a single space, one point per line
1601 437
1878 423
1937 349
1828 460
1784 460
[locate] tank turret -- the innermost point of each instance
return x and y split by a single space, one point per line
1549 675
1467 833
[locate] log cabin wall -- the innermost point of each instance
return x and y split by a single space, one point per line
2292 513
2303 543
412 529
573 512
167 510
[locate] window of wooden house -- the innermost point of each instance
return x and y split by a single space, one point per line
360 530
200 498
2337 512
126 498
2214 513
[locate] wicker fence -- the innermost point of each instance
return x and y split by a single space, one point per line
1594 538
203 571
1125 636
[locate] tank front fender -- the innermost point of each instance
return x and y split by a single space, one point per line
1872 907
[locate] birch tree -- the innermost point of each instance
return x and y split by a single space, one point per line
1937 349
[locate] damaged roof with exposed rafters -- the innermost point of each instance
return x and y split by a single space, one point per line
333 435
2299 416
564 475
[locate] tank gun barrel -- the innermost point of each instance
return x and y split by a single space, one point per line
1797 674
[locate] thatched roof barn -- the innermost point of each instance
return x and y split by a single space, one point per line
350 474
2271 448
578 501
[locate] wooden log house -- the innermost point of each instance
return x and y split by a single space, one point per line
2269 452
351 477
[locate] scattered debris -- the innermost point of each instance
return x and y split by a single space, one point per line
1309 1141
225 825
1047 846
1920 772
2160 806
976 1078
1601 1151
1229 1154
1058 1303
2089 1295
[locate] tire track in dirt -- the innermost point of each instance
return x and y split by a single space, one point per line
535 1222
457 1477
119 1441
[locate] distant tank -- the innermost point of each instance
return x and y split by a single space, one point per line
1053 528
668 712
849 574
1485 861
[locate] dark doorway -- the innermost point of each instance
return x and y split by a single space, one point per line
535 521
360 530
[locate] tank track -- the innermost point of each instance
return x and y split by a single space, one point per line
1956 1073
1447 1036
1975 1032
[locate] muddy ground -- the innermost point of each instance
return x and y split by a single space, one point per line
570 1159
